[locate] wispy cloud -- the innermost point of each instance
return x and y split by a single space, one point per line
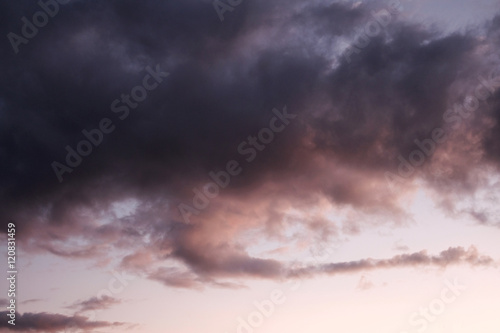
451 256
95 303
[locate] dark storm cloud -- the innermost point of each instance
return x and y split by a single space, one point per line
353 120
391 94
492 137
48 322
66 78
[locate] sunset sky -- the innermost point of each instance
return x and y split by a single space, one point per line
251 166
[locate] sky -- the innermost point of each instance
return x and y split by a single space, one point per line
250 166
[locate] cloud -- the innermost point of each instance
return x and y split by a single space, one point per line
364 283
47 322
95 303
172 277
354 119
34 300
400 247
203 272
451 256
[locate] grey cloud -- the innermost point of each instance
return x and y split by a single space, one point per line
48 322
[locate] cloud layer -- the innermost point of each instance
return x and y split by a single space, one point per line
355 117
